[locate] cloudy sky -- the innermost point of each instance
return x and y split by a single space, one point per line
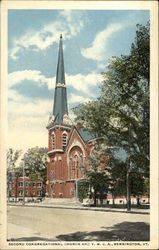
90 38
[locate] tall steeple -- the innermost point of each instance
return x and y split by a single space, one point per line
60 97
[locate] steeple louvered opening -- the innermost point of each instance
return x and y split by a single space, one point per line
53 141
64 140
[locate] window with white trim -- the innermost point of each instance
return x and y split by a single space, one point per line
27 184
39 193
12 193
20 192
39 184
76 165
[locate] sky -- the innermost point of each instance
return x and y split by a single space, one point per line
90 39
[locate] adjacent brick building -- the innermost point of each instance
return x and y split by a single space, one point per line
26 189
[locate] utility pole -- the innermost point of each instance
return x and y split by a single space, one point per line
128 175
76 191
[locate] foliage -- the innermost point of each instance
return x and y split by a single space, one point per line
35 160
146 186
121 114
99 182
83 189
12 157
118 178
98 176
137 184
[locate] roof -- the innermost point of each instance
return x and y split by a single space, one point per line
86 135
60 97
60 73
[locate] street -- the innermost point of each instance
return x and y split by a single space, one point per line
39 223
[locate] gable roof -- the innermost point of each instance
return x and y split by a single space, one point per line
74 129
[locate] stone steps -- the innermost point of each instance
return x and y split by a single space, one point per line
59 201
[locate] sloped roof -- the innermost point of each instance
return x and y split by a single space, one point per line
60 74
86 135
60 97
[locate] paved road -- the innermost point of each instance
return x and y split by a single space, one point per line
36 223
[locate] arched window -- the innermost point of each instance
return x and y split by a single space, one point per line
64 140
82 166
71 168
76 165
52 175
60 167
53 141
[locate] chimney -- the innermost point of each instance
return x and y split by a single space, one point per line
79 125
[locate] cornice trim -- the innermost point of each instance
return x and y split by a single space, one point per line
67 127
55 151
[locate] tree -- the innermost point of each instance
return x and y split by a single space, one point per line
98 175
117 178
12 157
121 114
147 187
35 161
137 185
83 189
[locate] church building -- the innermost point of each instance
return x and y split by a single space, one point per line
69 146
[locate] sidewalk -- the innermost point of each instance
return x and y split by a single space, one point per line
82 207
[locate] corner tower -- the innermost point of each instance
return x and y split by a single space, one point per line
59 127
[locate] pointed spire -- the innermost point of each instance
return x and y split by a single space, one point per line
60 96
60 74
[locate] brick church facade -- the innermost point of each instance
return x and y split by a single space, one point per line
69 145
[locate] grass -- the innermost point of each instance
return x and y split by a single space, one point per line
122 206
